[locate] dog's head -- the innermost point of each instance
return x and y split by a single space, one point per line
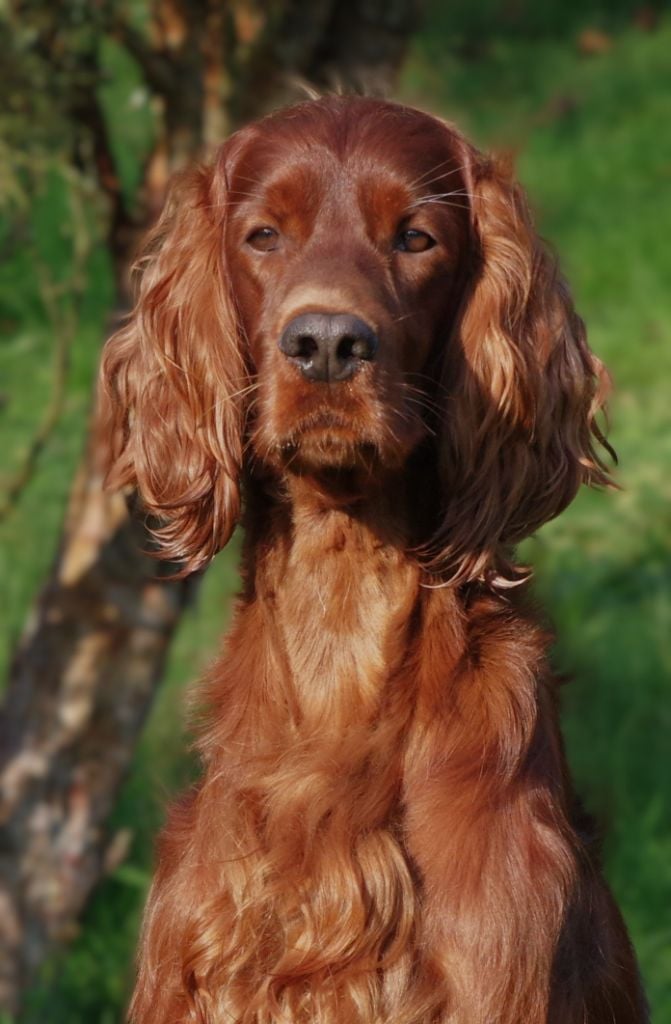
348 280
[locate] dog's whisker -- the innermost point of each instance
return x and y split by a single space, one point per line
440 197
421 180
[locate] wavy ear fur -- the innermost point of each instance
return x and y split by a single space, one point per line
519 433
171 379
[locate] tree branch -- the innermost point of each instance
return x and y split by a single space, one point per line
158 68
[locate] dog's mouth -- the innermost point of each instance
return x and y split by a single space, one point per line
363 425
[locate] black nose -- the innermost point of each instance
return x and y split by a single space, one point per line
328 346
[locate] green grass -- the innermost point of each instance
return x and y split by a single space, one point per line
44 254
594 150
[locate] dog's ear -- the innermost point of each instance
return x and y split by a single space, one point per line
170 416
519 433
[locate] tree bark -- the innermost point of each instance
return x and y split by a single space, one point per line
80 688
84 675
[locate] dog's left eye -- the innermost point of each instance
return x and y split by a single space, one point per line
413 240
263 239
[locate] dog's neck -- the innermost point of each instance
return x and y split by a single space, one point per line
338 588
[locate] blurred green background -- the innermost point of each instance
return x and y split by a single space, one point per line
581 94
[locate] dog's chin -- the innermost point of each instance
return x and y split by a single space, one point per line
330 442
319 451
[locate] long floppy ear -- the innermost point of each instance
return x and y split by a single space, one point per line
519 434
169 405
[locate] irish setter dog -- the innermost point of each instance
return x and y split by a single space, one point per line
349 320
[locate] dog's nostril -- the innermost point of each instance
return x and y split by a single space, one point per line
298 346
346 348
364 346
355 347
306 346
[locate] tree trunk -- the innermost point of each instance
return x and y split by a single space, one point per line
86 670
80 688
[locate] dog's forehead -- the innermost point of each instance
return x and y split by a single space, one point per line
334 143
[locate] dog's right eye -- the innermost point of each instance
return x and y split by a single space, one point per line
412 240
263 239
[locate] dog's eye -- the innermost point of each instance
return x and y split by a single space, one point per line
412 240
263 239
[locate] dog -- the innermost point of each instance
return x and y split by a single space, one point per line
349 320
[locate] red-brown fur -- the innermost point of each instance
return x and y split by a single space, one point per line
385 831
